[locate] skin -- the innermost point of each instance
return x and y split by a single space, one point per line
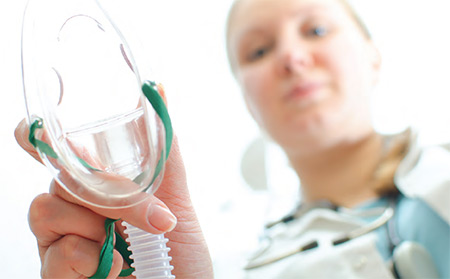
70 233
308 92
306 69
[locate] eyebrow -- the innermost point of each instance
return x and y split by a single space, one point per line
310 9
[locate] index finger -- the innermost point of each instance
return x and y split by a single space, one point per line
21 134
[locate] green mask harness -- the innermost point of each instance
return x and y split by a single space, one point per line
106 254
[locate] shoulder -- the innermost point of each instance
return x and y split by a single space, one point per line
424 177
418 222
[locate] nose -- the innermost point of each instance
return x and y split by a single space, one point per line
293 57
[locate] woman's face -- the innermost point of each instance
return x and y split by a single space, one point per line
305 68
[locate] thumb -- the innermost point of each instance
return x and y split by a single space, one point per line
150 215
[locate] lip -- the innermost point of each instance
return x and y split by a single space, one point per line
304 91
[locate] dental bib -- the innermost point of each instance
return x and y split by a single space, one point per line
103 133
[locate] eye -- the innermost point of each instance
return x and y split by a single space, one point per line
258 53
317 31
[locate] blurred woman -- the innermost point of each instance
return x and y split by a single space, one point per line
307 69
370 203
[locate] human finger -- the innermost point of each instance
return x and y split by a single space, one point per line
51 218
173 190
73 256
21 134
151 214
162 92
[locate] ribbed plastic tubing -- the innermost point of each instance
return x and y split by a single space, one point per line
149 253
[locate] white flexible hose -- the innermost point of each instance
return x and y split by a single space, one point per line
149 253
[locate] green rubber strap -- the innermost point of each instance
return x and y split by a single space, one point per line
42 146
106 254
86 165
157 102
122 247
126 272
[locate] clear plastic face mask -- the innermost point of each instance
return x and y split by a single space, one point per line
102 132
82 85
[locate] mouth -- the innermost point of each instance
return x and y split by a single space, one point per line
304 91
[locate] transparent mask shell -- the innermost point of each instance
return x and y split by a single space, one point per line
82 85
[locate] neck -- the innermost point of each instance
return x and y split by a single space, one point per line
341 174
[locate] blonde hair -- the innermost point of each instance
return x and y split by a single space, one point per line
395 149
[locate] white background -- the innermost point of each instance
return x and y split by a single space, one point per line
185 43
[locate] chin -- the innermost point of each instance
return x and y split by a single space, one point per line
317 131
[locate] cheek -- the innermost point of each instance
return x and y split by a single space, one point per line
256 88
351 66
346 61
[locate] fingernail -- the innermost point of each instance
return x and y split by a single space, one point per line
161 218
